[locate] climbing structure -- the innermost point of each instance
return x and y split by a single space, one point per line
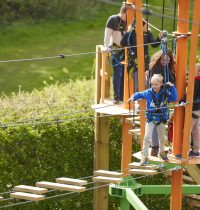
129 190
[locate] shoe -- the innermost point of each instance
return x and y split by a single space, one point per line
194 154
144 161
163 155
116 100
179 156
154 151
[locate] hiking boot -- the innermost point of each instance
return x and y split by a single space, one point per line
194 154
154 151
163 155
144 161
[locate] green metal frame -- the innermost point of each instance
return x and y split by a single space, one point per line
129 191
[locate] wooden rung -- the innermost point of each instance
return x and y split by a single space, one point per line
132 119
135 131
143 171
58 186
30 189
108 173
107 179
138 166
1 198
27 196
78 182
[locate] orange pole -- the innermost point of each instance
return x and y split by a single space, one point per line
126 147
190 87
176 190
128 84
126 138
181 65
140 55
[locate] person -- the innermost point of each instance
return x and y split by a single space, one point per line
156 115
195 123
114 30
157 65
129 39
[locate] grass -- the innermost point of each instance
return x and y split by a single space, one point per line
31 39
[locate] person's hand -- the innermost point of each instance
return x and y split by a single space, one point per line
161 34
169 84
130 100
130 29
105 49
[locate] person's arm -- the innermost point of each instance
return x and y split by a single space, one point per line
107 36
154 42
173 95
124 41
138 95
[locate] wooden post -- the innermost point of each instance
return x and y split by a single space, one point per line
140 55
126 147
101 145
181 65
176 190
190 87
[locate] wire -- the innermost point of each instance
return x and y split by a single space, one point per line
88 189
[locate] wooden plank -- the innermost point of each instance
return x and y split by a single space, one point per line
135 131
194 171
143 171
107 179
30 189
71 181
27 196
57 186
138 166
1 198
108 173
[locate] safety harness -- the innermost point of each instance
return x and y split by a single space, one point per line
162 99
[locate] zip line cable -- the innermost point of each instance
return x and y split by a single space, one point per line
88 189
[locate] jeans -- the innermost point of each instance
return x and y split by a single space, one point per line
118 76
148 135
195 129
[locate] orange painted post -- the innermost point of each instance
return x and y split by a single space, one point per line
190 87
126 147
128 85
181 65
126 78
176 190
103 77
126 138
140 55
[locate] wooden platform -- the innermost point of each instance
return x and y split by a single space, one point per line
171 157
108 107
64 180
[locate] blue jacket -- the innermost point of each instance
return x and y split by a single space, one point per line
159 115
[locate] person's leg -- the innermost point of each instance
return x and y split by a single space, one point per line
146 143
195 129
135 80
154 143
161 136
122 83
117 68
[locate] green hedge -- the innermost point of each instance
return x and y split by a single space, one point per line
35 148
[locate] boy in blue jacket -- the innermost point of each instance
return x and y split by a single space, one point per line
157 98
